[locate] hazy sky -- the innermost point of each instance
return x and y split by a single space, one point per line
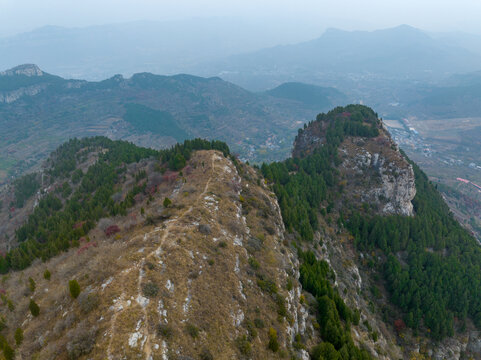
438 15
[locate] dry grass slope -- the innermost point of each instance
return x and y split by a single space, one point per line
176 282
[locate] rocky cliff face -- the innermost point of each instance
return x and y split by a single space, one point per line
376 178
376 173
373 169
26 69
8 97
10 93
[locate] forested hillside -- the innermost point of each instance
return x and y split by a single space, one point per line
368 269
130 252
429 264
67 214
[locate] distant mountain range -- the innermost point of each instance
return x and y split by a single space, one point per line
38 111
245 53
169 47
398 53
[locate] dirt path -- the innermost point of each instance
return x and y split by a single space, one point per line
121 304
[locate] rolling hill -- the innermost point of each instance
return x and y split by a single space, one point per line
38 111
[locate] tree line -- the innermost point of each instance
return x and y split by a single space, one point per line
57 223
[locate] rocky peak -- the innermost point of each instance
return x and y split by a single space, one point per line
26 69
372 168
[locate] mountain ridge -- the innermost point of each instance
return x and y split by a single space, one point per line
197 106
327 269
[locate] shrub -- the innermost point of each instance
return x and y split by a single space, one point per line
297 344
222 244
251 329
46 274
64 323
206 355
204 229
150 289
270 230
167 202
111 230
18 336
289 284
82 341
273 342
31 284
88 302
10 305
243 345
267 285
259 323
254 263
34 308
192 330
8 352
74 288
281 305
164 331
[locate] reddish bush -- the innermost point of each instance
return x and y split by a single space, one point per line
170 176
399 325
112 229
86 246
152 190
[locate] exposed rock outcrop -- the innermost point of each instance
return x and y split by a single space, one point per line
373 169
8 97
378 174
26 69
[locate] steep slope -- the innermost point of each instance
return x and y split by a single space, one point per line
373 170
186 253
205 274
396 250
39 111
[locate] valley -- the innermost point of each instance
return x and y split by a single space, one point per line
447 150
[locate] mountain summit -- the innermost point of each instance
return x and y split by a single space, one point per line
26 69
